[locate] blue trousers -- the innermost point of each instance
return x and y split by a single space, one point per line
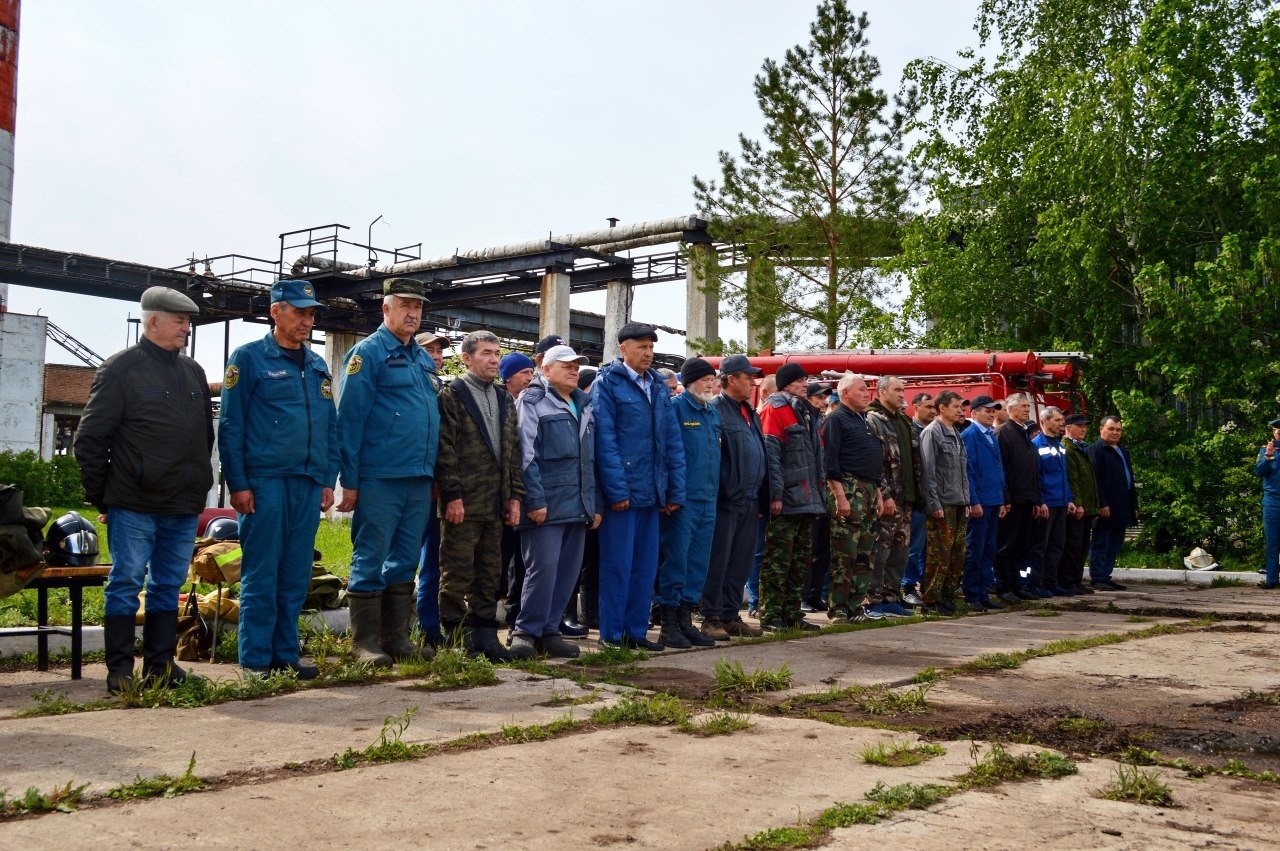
278 540
387 528
1271 530
155 548
980 553
429 577
686 552
1108 538
915 561
628 566
552 561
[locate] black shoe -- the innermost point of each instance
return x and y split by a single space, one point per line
772 626
604 644
804 626
1080 590
645 644
1011 598
1025 594
989 603
301 671
947 607
806 606
1058 591
573 629
1116 586
926 609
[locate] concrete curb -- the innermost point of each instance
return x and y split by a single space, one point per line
1199 577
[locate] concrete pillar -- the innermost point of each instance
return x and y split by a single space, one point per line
553 309
336 345
702 308
617 312
762 331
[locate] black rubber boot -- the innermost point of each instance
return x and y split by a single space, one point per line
118 635
398 613
484 642
159 643
366 624
671 635
684 620
589 606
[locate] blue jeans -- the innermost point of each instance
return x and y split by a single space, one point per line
686 552
1271 529
152 547
429 577
980 553
915 562
279 540
387 529
1108 538
753 581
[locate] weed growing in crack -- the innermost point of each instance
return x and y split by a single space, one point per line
62 799
658 710
909 796
388 748
160 786
898 754
927 675
1077 726
1138 786
998 766
517 734
1135 755
881 701
732 679
719 724
847 815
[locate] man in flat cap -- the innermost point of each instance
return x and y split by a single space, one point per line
1079 523
640 469
686 544
143 445
278 442
388 431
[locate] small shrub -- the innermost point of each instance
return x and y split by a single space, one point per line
1137 786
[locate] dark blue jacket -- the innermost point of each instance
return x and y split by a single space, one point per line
1114 474
1269 472
986 467
639 451
276 419
388 413
744 461
700 428
1055 486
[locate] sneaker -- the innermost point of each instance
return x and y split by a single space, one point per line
753 612
838 619
807 607
742 629
1116 586
871 614
805 626
911 598
606 644
715 630
895 610
926 609
1010 597
555 645
1059 591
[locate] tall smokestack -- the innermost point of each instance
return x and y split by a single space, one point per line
8 118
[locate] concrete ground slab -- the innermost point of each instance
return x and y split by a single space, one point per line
1238 602
893 655
111 747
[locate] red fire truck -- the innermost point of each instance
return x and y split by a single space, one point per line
1052 378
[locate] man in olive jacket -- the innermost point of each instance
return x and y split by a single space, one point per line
143 446
478 473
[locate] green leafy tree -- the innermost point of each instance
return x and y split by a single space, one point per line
1107 180
821 198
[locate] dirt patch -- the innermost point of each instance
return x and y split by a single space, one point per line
687 685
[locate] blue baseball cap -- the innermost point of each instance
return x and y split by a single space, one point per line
297 292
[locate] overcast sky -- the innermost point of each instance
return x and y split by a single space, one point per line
148 131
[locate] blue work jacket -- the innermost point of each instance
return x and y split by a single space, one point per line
639 451
1269 472
986 466
1055 487
276 419
388 411
700 428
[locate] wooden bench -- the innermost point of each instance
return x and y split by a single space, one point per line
76 579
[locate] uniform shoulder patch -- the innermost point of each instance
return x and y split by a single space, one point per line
326 388
232 376
353 365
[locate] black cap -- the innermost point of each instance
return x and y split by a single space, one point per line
547 342
1076 419
738 363
985 402
816 388
637 331
790 373
586 375
693 369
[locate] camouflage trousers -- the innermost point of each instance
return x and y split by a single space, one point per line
893 546
944 554
853 545
788 542
470 566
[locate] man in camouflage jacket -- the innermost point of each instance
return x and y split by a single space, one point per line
900 486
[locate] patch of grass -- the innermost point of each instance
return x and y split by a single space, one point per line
996 662
162 785
1268 698
1138 786
453 668
561 699
777 838
847 815
517 734
1225 582
1138 619
533 665
898 754
719 724
609 657
927 675
1205 620
62 799
998 766
333 540
388 748
732 679
1236 768
882 701
909 796
659 710
48 703
1044 613
1078 726
1135 755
